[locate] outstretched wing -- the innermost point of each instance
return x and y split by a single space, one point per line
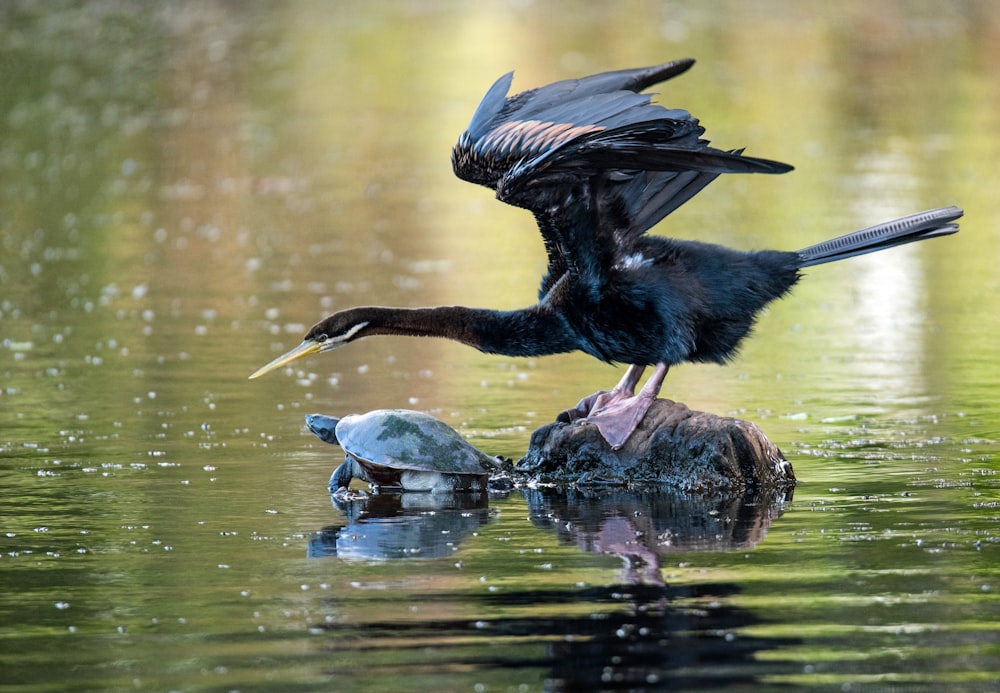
472 157
596 161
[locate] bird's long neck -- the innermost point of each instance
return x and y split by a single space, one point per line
534 331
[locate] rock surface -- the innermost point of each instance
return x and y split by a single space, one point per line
674 447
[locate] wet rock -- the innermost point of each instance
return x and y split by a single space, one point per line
674 447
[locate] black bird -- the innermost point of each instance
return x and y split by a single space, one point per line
599 164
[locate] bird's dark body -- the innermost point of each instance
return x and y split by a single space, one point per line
622 296
598 164
680 301
676 301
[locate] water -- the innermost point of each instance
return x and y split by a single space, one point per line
184 189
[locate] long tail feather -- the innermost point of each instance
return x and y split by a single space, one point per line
916 227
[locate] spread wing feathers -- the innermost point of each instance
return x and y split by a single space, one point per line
581 126
667 143
634 80
552 113
651 196
496 109
596 161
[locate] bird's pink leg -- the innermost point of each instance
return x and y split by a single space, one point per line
625 389
617 419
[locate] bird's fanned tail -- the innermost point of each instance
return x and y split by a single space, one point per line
915 227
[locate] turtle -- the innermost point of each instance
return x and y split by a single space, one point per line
402 449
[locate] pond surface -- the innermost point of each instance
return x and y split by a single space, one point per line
186 187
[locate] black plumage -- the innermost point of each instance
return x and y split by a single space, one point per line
599 164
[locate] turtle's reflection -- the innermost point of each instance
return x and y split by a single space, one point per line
401 525
637 633
639 527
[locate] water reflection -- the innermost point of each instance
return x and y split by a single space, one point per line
636 632
187 186
401 525
643 527
638 527
617 637
654 642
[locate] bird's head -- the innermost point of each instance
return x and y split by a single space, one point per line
326 335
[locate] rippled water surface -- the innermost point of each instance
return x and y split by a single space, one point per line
186 187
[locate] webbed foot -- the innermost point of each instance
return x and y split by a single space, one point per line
618 421
617 412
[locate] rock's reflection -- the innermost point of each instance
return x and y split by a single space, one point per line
401 525
636 634
639 527
642 527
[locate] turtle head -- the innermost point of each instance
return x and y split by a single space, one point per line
323 427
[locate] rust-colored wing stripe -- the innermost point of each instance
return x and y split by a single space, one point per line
532 136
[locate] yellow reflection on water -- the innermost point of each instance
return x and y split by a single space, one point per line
185 187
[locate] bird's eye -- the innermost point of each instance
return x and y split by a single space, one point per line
321 337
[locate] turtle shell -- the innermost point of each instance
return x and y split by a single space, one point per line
393 445
405 439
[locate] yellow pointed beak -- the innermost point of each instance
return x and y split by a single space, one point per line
304 349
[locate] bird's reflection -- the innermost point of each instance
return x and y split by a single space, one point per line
608 638
638 527
655 637
642 527
636 634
